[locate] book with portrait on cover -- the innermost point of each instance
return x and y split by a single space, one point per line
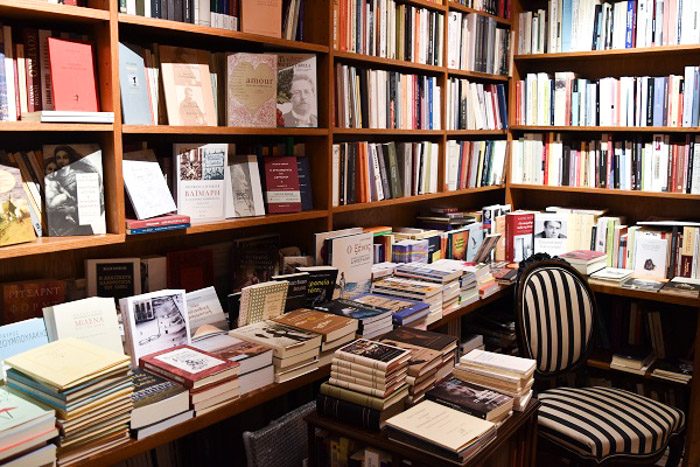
296 91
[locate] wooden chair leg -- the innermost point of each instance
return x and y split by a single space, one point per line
675 444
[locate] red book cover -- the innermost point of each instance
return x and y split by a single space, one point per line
466 151
582 256
72 75
282 185
26 299
31 62
187 365
190 269
168 219
520 227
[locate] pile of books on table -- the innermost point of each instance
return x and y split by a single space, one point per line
586 261
426 292
509 375
335 330
367 384
211 381
679 370
432 358
485 281
89 387
468 288
158 404
26 427
443 272
372 322
294 352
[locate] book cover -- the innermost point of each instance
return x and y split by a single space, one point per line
583 256
262 301
297 103
296 291
199 184
519 235
190 269
282 192
187 364
251 90
330 326
204 311
246 190
133 86
150 389
15 218
154 321
262 17
430 340
243 351
468 397
146 186
550 233
682 286
422 359
19 411
321 284
26 299
73 85
114 278
19 337
305 185
353 256
373 354
650 255
284 340
254 260
74 190
92 319
352 309
187 86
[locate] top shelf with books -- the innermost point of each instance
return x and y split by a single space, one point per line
604 129
42 10
465 9
430 4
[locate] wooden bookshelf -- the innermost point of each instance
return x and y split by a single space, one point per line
476 75
24 126
613 54
219 130
606 191
403 65
605 129
45 245
40 10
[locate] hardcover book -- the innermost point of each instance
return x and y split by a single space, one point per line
262 301
250 356
682 286
199 184
188 366
246 195
282 192
583 256
470 398
21 412
431 340
74 190
296 90
146 186
16 338
113 278
15 221
155 399
374 354
73 85
262 17
422 360
190 269
519 235
187 86
92 319
254 260
331 327
251 90
26 299
133 86
285 341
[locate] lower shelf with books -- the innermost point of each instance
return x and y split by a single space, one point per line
602 361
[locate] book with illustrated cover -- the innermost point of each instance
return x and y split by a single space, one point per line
146 186
74 190
519 235
374 354
250 356
321 284
353 256
470 398
262 301
296 90
640 283
297 291
26 299
251 90
199 181
246 196
682 286
422 360
187 86
193 368
650 255
285 341
402 309
155 399
15 209
330 326
205 312
550 233
431 340
353 310
114 278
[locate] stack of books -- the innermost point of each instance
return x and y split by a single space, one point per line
442 272
512 376
612 276
367 384
674 369
485 281
426 292
633 360
441 431
404 312
255 368
335 331
468 288
89 387
158 404
586 261
372 322
432 358
25 429
294 352
471 342
473 399
211 381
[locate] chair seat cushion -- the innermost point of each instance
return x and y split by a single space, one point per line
600 422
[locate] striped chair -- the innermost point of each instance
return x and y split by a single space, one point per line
556 312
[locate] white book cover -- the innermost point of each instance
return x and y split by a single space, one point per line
244 197
551 233
650 255
189 360
499 361
205 312
200 181
91 319
320 241
154 321
353 256
145 185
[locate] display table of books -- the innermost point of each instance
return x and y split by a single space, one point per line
514 442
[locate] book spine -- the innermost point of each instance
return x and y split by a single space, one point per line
352 396
161 228
142 224
348 412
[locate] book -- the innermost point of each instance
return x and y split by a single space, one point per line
253 260
190 269
114 278
26 299
431 340
92 319
163 425
246 197
297 102
199 184
550 233
470 398
154 273
133 86
15 220
262 301
331 327
205 313
520 227
353 256
650 256
638 283
365 400
250 356
154 321
285 341
374 354
251 90
187 86
74 190
681 286
506 364
190 367
146 187
615 275
355 414
156 399
282 192
73 85
297 290
262 17
21 336
321 283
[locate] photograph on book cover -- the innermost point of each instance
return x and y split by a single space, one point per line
160 323
243 203
296 91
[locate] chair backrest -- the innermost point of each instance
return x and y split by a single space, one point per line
283 443
556 314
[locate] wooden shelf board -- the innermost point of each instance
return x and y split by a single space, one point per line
612 289
195 29
248 401
465 9
606 191
244 222
601 363
41 10
457 314
66 127
219 130
53 244
386 131
606 129
412 199
415 67
438 6
476 75
614 53
476 132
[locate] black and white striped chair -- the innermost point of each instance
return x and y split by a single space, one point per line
556 313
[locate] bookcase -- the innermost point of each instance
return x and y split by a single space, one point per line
63 256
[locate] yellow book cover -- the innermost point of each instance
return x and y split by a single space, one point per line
15 219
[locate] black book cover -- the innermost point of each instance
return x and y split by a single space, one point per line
467 397
420 338
352 173
178 10
596 24
691 154
155 9
383 172
347 412
650 102
565 165
320 284
364 97
486 171
297 291
304 171
233 307
253 260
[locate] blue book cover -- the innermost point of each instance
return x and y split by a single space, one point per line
133 86
476 237
659 101
566 24
401 308
19 337
696 97
631 9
